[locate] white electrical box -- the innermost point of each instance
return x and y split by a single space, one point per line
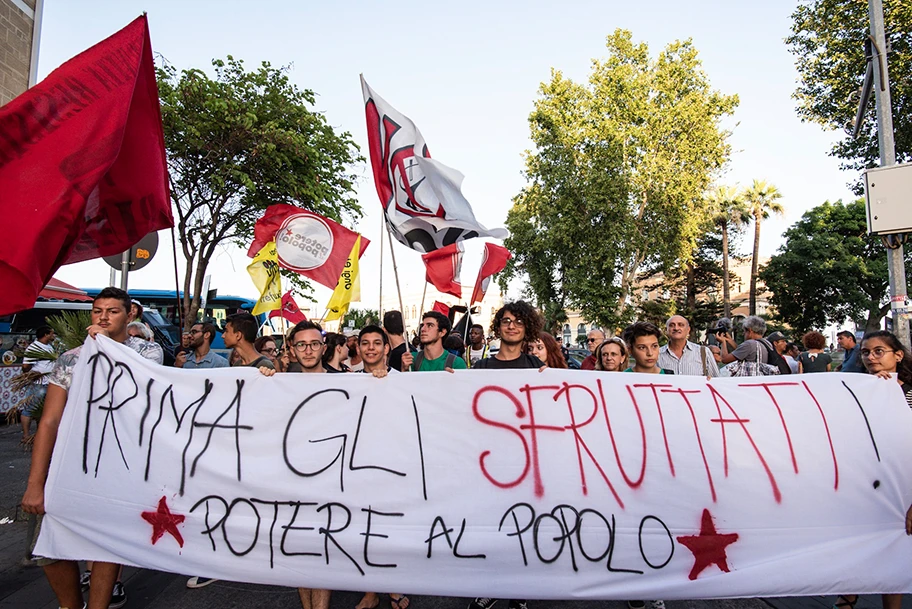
888 196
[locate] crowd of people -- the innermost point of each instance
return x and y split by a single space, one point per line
382 350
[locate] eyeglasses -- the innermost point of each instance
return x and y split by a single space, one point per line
302 346
507 321
592 340
269 350
877 353
192 332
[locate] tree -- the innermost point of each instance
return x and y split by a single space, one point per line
761 200
238 143
828 43
617 176
829 270
730 214
358 318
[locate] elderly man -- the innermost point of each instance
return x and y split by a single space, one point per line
682 356
755 348
595 338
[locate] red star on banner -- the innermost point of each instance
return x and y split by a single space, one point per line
708 547
163 521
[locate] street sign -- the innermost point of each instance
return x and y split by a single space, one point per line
140 254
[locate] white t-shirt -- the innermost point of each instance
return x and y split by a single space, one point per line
40 365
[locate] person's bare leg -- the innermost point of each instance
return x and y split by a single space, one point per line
369 601
63 576
321 599
104 574
26 425
306 600
892 601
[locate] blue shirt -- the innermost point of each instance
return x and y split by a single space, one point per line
210 360
852 361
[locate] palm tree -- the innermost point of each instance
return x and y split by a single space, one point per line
761 200
730 213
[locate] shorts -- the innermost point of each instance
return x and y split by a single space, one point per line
35 394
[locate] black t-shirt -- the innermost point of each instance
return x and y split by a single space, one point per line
523 361
395 357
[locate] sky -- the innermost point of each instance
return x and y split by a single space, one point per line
467 74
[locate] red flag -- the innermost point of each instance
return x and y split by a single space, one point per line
82 164
494 261
289 310
443 266
441 308
306 243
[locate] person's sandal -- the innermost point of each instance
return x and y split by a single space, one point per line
843 602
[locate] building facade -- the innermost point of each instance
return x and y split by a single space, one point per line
20 25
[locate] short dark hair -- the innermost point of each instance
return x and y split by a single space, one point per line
43 331
207 328
453 342
392 322
523 311
115 294
638 329
245 323
443 322
847 334
301 326
479 326
261 341
374 329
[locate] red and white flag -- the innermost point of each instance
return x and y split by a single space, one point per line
494 261
306 242
421 197
441 308
443 267
290 310
82 164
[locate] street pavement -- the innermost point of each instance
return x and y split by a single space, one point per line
22 585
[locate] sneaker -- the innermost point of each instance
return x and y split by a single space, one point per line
84 581
518 604
636 604
200 582
118 596
656 604
482 603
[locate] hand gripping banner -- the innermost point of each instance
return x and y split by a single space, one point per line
515 483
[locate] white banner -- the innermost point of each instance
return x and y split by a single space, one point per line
511 484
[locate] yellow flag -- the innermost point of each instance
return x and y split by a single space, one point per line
348 288
264 270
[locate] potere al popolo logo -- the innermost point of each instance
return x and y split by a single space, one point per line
304 242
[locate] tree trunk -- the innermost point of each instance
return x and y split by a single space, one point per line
726 293
755 262
691 296
875 316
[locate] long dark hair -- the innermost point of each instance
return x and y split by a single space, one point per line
904 367
332 341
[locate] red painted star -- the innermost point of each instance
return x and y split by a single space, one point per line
288 232
708 547
163 521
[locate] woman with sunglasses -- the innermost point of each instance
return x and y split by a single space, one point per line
883 355
611 355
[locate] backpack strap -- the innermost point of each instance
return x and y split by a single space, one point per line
450 360
416 363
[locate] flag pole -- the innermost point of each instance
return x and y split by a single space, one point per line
382 225
395 268
423 293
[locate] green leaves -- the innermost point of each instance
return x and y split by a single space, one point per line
617 177
829 270
239 142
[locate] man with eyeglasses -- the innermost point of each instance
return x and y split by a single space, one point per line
435 326
201 356
595 338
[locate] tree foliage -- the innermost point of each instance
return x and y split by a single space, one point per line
729 215
828 43
358 318
829 270
617 178
239 142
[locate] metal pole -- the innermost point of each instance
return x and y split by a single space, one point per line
382 226
395 268
886 144
124 269
113 279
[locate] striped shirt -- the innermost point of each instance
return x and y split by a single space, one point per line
690 363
